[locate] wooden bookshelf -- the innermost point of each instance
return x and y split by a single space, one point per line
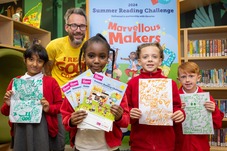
218 148
206 63
7 27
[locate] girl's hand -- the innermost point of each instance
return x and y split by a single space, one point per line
135 113
178 116
210 106
117 111
77 117
183 105
45 104
7 97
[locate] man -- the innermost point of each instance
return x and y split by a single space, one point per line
64 52
63 58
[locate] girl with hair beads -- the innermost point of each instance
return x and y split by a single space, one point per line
43 135
151 137
95 53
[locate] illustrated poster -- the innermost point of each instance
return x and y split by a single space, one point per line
129 23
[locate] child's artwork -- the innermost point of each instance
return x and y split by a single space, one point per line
103 92
155 101
25 104
198 118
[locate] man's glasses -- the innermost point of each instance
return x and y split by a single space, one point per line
75 26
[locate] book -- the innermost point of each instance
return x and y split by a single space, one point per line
17 38
25 41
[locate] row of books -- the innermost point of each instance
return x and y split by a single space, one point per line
21 40
222 105
219 138
207 47
213 78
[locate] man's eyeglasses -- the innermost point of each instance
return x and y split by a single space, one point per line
75 26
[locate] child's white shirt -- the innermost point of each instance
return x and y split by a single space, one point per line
87 140
35 77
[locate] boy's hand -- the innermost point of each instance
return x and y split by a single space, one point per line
135 113
7 97
45 104
117 111
210 106
77 117
178 116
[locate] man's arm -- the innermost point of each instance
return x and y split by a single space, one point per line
48 68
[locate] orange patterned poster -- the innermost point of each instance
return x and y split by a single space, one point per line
155 101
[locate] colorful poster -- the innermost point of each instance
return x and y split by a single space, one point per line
129 23
198 118
33 16
25 104
155 101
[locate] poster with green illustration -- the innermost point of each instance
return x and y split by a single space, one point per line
33 16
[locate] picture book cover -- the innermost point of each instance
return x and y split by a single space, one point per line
155 101
17 39
75 86
25 41
66 89
103 92
198 118
25 104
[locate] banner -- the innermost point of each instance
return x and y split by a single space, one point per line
129 23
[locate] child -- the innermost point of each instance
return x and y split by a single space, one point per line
148 137
38 136
95 52
189 75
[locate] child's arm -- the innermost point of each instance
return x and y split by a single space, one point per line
135 112
178 113
217 115
5 109
121 113
71 118
77 117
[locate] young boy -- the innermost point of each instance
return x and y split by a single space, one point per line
188 75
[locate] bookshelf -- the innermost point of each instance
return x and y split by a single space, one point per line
206 62
8 26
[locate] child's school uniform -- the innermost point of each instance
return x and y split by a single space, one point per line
112 139
197 142
148 137
32 137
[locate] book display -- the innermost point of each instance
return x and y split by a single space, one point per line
207 47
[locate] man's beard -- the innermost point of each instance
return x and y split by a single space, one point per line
76 41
